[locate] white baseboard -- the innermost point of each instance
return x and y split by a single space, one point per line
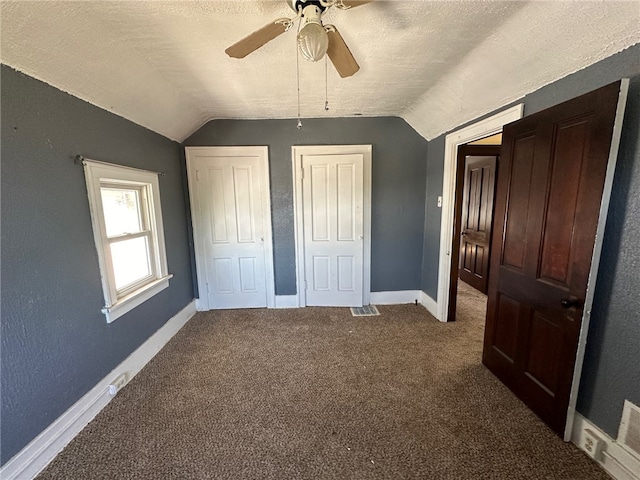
281 301
33 458
377 298
201 306
614 458
287 301
430 304
394 297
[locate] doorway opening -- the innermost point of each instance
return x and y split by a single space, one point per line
473 223
482 129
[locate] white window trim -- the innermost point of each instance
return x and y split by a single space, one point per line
97 173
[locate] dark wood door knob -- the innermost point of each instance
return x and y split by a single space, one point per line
570 302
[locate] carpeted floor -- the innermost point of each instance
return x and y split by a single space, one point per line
317 394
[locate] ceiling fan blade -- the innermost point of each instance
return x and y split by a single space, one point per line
257 39
340 54
355 3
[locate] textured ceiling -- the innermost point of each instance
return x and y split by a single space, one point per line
436 64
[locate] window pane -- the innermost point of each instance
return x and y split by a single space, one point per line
130 261
121 210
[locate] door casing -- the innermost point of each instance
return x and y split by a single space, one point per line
297 152
476 131
262 152
595 258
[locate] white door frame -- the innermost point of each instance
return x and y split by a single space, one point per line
481 129
297 152
262 153
595 258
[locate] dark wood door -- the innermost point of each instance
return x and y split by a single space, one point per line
477 217
463 152
548 197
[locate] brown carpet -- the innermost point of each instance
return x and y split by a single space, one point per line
315 393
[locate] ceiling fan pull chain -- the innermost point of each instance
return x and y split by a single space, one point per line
299 123
326 85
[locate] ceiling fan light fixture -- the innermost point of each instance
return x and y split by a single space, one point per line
313 41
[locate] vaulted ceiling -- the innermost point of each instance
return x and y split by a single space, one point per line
437 64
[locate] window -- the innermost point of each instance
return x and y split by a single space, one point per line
127 227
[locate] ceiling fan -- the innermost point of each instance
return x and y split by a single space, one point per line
314 39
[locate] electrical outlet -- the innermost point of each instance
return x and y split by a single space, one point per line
440 202
592 444
117 384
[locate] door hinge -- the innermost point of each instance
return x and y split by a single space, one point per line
197 175
302 174
304 284
208 289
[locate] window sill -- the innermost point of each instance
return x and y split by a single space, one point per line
131 301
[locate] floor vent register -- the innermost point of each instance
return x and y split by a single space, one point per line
366 311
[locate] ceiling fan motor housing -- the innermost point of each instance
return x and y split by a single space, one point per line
301 4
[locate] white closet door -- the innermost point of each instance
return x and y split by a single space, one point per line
231 231
333 229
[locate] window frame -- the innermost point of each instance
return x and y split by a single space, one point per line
100 175
146 232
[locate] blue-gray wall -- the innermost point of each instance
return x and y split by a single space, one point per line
611 371
397 188
55 342
433 217
56 345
